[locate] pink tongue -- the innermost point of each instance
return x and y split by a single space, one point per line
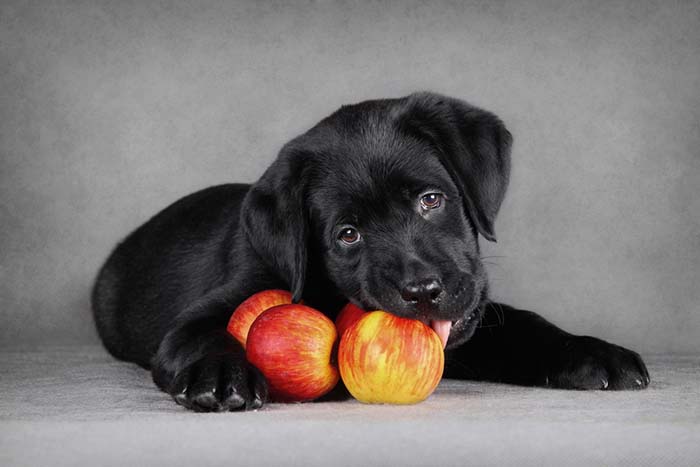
442 328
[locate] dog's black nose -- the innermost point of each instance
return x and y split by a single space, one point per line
422 292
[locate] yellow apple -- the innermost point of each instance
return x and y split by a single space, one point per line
384 358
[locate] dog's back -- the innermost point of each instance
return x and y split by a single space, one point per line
165 264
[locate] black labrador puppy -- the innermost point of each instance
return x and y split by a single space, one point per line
380 204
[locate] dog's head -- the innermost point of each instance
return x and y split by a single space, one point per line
387 199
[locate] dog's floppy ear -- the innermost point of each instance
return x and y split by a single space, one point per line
473 145
275 220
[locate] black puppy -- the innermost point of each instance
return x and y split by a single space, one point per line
380 203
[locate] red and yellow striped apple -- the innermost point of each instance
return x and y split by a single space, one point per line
388 359
347 316
292 346
243 317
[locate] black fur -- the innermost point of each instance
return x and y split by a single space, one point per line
164 296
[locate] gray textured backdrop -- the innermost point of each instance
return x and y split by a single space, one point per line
112 110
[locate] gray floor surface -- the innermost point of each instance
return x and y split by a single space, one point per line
78 406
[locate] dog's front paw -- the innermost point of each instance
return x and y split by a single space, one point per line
218 383
585 362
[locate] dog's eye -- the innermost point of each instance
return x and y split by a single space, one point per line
431 201
349 235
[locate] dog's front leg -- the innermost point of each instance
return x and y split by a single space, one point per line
520 347
203 367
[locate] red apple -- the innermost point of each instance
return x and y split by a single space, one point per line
387 359
243 316
292 346
347 316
